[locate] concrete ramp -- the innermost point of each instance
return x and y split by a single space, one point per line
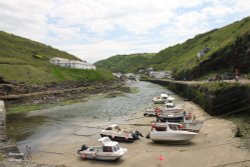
3 136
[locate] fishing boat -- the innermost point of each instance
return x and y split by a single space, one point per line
160 99
175 116
108 150
115 133
170 106
152 111
171 134
194 126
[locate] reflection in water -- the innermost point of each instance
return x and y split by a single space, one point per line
44 127
19 126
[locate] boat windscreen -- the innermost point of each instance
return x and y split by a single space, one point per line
107 149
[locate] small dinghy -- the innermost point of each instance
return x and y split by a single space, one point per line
109 150
171 134
115 133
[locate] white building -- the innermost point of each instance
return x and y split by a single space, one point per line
160 74
71 63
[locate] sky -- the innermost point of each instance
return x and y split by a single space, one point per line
93 30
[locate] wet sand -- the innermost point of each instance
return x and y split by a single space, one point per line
214 146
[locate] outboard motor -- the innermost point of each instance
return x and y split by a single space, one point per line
135 136
138 133
84 147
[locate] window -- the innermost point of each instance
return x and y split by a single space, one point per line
107 149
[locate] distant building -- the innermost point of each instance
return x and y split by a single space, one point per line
118 75
160 74
201 53
71 63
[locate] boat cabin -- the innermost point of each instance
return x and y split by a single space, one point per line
168 127
108 145
114 127
170 99
164 96
96 149
170 105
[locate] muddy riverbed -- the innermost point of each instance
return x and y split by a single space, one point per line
55 134
44 127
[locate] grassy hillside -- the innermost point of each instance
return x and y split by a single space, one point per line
182 58
126 63
23 60
229 50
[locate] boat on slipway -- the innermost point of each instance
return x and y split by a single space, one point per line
115 133
109 151
194 126
171 134
160 99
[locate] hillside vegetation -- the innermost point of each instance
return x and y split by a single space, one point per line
126 63
23 60
229 49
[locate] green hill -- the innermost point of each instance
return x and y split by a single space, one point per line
23 60
228 50
126 63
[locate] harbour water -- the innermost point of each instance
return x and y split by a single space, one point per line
44 127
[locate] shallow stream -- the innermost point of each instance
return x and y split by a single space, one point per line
44 127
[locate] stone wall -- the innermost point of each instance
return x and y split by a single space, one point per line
215 98
3 136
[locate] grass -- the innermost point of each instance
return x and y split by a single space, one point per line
23 60
220 87
23 108
126 63
182 59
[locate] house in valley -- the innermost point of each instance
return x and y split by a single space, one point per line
71 63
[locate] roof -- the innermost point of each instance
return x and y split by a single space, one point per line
107 142
58 58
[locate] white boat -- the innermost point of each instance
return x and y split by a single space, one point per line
109 150
169 99
175 116
171 134
194 126
171 107
114 132
152 111
172 116
160 99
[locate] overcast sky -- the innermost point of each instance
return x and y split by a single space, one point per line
96 29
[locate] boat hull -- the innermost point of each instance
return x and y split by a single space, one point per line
120 138
159 101
100 157
191 127
173 136
169 119
105 156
